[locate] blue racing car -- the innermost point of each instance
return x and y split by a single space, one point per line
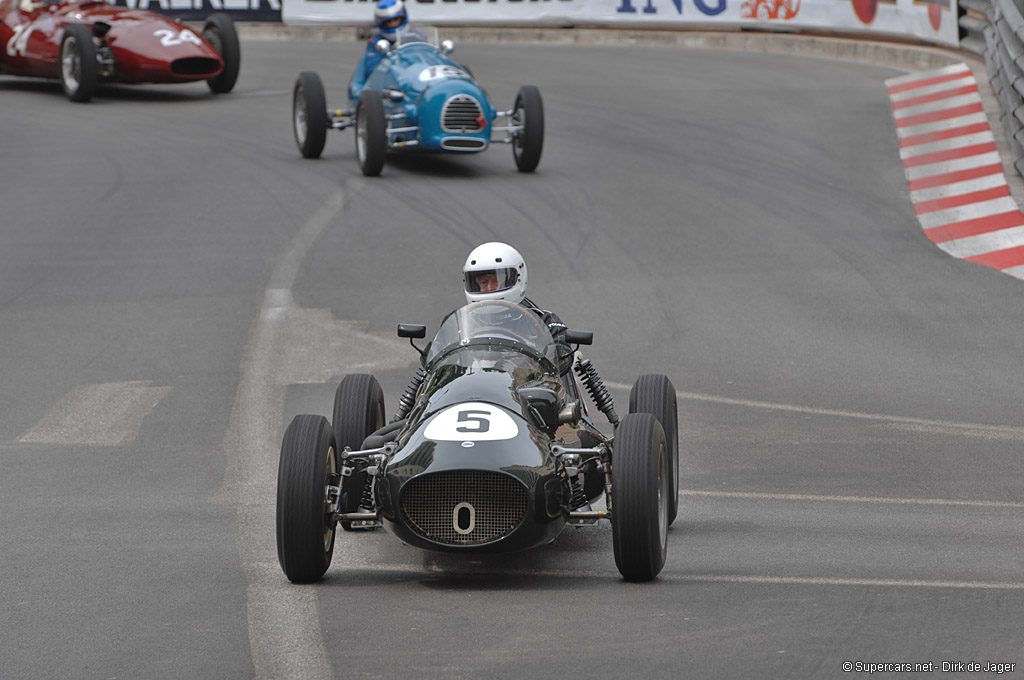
418 100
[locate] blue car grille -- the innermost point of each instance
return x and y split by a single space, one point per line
463 507
461 113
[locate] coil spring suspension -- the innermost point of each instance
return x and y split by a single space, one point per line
579 496
598 392
367 499
409 396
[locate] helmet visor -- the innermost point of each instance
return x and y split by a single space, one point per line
491 280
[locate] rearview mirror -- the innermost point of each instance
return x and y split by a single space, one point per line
382 46
579 337
447 47
411 330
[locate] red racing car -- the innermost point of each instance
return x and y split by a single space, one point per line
87 42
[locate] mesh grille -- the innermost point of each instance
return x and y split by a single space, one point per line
461 113
436 504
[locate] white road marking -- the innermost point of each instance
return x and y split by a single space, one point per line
914 77
947 144
667 576
284 624
966 81
938 105
959 188
969 246
962 213
938 426
107 414
944 167
936 126
850 499
827 581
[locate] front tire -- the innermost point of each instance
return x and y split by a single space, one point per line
371 133
528 144
79 71
309 463
358 413
219 31
655 394
309 115
640 485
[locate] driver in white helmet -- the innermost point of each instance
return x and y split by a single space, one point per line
496 271
493 271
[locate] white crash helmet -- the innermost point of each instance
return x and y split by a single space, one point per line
390 16
490 262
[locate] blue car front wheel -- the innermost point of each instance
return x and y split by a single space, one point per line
529 141
371 133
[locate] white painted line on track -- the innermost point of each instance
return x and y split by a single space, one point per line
667 576
285 635
958 188
827 581
971 211
940 105
107 414
938 426
965 81
969 246
939 125
914 77
981 160
947 144
850 499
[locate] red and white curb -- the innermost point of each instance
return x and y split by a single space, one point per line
955 174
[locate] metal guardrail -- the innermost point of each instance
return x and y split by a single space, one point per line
995 29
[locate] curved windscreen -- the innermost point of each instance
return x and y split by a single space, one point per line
493 324
421 33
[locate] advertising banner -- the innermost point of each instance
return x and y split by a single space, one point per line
930 20
194 10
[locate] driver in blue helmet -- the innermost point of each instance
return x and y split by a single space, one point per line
390 17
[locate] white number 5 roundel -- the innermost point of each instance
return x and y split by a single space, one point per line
473 421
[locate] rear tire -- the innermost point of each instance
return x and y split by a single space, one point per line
219 31
655 394
528 144
309 462
358 413
371 133
640 489
309 115
79 71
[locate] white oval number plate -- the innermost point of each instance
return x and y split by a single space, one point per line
473 421
440 71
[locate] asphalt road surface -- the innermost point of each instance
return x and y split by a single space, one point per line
176 283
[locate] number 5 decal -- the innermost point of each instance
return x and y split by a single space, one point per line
474 421
169 38
474 417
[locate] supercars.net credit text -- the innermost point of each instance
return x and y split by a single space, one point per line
930 667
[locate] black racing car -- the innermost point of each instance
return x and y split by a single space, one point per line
492 451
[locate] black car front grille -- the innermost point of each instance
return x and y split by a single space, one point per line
463 507
461 113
